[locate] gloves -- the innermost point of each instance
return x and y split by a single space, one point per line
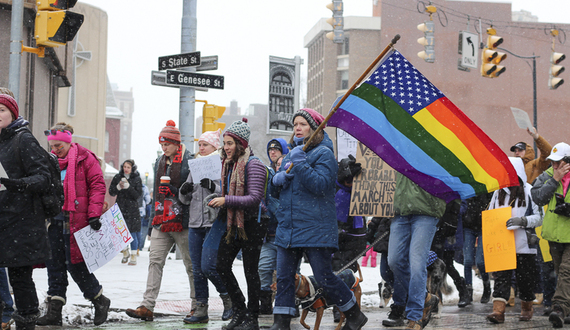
95 223
282 179
13 185
167 190
208 184
531 238
562 209
516 221
348 168
186 188
298 155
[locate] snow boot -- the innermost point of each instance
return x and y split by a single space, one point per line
228 311
355 319
465 294
281 322
556 317
486 296
25 322
133 261
526 311
266 302
395 317
498 315
237 319
125 256
199 316
53 314
249 322
430 305
101 304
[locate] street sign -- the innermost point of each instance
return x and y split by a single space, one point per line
469 49
208 63
183 78
158 78
179 61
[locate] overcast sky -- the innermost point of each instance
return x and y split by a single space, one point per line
242 33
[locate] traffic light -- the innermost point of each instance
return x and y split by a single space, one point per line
211 113
337 22
491 58
428 54
54 25
555 58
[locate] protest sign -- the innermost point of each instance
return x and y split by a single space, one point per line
544 246
345 144
100 246
206 167
521 117
499 250
372 190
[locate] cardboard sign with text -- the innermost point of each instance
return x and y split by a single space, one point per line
206 167
100 246
499 250
372 190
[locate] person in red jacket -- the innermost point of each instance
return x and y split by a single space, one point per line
84 189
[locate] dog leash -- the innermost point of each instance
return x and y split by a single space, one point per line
363 252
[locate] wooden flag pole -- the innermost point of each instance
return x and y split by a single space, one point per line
352 88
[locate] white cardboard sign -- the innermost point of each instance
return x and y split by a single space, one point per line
521 117
99 247
206 167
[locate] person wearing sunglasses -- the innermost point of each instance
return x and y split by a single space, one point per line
23 238
84 190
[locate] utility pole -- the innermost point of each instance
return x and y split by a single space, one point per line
188 94
16 47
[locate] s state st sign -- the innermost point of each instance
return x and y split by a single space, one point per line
179 61
183 78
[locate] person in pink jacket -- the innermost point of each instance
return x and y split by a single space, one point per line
84 189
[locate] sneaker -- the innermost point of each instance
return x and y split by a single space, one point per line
430 305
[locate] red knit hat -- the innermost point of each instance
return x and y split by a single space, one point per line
170 133
10 103
311 116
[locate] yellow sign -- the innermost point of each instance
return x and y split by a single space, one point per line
499 248
544 247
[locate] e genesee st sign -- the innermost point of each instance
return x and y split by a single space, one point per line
183 78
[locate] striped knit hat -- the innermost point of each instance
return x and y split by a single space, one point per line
170 133
311 116
239 130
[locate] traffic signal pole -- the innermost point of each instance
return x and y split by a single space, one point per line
188 94
16 47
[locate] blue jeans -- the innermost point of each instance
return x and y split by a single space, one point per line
336 291
385 270
410 242
6 297
267 263
469 239
136 239
202 257
60 264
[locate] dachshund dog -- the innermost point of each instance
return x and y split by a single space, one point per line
312 298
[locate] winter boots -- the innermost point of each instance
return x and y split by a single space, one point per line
266 302
125 256
25 322
249 322
101 304
237 319
228 311
526 311
355 319
395 317
281 322
200 314
430 305
465 294
498 315
141 312
53 314
486 296
556 316
133 260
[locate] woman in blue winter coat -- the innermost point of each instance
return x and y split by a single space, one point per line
307 221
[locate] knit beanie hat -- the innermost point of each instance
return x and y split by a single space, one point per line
170 133
239 130
311 116
10 103
211 137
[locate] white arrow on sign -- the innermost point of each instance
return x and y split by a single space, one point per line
469 49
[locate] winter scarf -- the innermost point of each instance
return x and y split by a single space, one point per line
236 171
165 215
69 162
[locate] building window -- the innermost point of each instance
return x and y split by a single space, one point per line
342 79
342 61
344 47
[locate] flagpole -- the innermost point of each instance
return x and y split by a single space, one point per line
350 90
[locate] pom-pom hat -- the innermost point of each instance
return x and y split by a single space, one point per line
170 133
311 116
239 130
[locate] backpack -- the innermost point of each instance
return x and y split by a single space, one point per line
271 204
52 198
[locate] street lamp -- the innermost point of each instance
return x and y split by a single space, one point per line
146 178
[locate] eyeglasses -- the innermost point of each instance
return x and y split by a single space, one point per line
47 132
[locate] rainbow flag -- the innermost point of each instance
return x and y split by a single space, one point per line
415 129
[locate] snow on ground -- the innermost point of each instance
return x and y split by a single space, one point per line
125 285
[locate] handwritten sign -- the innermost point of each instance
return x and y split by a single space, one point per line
521 117
499 250
206 167
99 247
373 189
345 144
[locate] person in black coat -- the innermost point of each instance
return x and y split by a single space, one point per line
127 186
23 234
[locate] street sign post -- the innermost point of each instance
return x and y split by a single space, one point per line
469 49
191 79
208 63
179 61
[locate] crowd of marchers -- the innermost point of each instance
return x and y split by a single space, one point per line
273 216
